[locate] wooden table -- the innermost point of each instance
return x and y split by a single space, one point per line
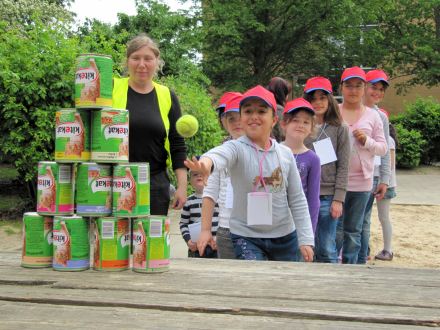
227 294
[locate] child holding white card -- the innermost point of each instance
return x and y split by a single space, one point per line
270 216
191 215
298 123
332 145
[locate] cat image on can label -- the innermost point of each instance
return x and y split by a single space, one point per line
47 189
131 190
93 81
72 139
110 135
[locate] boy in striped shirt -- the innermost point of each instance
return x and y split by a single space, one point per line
191 213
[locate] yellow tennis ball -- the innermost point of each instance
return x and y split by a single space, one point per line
187 126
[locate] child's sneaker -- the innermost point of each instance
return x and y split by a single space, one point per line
384 255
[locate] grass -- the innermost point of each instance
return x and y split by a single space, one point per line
8 202
7 172
11 227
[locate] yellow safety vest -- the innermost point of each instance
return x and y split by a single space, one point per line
120 90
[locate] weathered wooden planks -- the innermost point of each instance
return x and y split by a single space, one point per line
289 291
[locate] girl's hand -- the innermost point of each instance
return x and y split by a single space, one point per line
202 166
307 252
336 209
360 136
192 246
204 240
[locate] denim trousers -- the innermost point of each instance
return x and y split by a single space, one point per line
277 249
365 235
349 229
325 236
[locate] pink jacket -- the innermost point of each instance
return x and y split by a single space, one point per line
361 169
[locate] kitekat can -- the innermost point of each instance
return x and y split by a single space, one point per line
131 190
72 135
110 136
93 81
112 244
151 244
37 241
55 189
93 189
71 250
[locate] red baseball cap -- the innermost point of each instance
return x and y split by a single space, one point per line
298 104
225 98
233 104
261 93
375 76
353 72
385 112
318 83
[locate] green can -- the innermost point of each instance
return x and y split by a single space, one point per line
94 189
110 136
55 189
93 81
151 244
112 244
131 190
37 241
72 135
71 250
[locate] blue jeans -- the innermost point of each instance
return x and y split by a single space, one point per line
365 236
278 249
348 232
325 237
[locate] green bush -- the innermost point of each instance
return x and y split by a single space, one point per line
411 146
424 116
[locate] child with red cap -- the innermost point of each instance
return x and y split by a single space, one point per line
377 83
219 189
270 216
298 123
367 140
331 143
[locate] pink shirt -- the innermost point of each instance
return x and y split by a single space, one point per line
360 171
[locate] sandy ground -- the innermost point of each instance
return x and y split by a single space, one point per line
416 237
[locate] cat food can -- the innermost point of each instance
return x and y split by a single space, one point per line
151 244
37 241
55 189
71 251
93 81
94 189
131 190
112 244
72 135
110 136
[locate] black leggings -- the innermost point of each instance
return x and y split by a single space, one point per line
159 194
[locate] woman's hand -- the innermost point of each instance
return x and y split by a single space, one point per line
179 198
204 240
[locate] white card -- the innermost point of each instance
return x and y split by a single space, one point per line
194 231
377 160
259 209
229 202
325 151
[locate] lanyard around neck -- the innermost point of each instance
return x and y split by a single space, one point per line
260 167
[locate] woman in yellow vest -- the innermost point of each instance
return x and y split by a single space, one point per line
154 110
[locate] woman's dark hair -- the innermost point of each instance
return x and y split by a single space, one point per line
332 116
393 134
280 88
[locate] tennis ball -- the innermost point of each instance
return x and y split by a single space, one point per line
187 126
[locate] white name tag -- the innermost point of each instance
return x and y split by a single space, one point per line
229 202
325 151
259 209
377 160
195 230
